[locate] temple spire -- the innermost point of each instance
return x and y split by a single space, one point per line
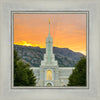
49 27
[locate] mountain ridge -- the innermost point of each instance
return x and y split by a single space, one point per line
34 55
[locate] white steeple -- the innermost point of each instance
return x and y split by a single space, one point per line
49 28
49 42
49 57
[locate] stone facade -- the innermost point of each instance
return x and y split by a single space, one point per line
49 73
59 76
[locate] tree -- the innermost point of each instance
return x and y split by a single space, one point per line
78 76
23 76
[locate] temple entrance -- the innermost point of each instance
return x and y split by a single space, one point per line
49 75
49 84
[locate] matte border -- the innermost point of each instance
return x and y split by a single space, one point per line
50 12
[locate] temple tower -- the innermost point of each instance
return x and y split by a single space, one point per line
49 66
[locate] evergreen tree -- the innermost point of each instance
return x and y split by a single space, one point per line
23 76
78 76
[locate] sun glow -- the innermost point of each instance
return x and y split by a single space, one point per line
24 43
83 52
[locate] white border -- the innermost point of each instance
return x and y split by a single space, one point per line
53 12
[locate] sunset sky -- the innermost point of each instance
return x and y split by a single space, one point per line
67 30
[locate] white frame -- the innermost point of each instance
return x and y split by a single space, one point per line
7 93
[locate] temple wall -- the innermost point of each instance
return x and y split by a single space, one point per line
63 75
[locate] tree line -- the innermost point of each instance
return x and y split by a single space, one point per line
78 76
23 75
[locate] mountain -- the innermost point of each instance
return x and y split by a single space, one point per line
34 55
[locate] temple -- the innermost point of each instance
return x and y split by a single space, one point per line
49 73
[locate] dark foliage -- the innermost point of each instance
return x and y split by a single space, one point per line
23 76
78 76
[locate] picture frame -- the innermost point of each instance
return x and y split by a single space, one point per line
8 93
85 13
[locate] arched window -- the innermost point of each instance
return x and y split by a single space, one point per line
49 75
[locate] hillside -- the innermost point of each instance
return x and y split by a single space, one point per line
34 55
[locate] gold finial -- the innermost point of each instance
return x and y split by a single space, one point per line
49 20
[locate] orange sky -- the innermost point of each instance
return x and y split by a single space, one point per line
67 30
